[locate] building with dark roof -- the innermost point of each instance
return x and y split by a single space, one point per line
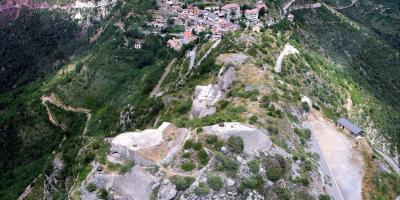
354 129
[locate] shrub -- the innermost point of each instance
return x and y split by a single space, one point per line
203 157
253 119
89 157
222 105
214 182
182 183
235 144
197 146
229 163
282 193
102 193
273 129
254 166
212 139
91 187
184 107
188 166
304 134
305 107
302 180
276 168
186 155
308 165
188 144
324 197
202 189
254 182
127 167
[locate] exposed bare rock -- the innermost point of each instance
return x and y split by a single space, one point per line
150 146
231 59
134 185
255 140
206 97
167 191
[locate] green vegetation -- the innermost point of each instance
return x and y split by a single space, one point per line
386 186
235 144
127 167
228 163
202 189
253 182
324 197
188 166
102 194
203 157
302 180
275 168
214 182
182 183
282 193
91 187
254 166
304 135
368 54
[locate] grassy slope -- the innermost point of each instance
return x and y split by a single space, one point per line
364 56
116 75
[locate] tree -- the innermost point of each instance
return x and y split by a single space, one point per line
170 21
261 12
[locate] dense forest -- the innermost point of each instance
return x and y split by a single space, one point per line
33 45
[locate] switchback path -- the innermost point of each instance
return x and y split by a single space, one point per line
53 100
156 89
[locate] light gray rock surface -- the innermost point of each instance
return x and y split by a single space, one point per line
167 191
206 97
254 140
134 185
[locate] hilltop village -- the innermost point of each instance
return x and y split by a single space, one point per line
185 22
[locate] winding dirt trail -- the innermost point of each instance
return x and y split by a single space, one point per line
55 101
156 89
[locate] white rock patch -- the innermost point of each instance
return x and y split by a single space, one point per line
289 49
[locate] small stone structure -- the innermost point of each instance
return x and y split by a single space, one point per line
254 140
150 146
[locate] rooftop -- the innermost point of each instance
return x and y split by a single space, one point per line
229 6
350 126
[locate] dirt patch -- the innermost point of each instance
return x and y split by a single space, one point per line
342 155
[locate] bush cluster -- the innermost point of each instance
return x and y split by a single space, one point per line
182 183
214 182
235 144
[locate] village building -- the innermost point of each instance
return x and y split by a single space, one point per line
352 128
231 11
290 17
174 44
251 15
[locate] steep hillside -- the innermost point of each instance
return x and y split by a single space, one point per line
86 114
